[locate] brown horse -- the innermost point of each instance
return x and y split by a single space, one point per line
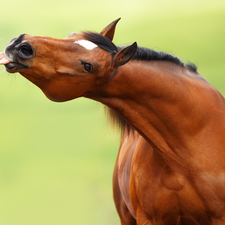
170 167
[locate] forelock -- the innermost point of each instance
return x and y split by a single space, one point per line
101 41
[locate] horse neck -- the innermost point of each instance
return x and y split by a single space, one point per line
157 101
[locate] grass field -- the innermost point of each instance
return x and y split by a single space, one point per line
57 159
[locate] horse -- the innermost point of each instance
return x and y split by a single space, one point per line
170 166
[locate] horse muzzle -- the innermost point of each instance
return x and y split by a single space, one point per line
18 52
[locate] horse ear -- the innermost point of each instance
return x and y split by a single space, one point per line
124 55
110 29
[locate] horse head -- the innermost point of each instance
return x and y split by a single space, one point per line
67 68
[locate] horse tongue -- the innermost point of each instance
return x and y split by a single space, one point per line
3 59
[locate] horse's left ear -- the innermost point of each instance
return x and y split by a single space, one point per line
110 29
124 55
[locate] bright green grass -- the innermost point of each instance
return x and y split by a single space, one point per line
56 159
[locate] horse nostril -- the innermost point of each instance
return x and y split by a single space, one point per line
25 50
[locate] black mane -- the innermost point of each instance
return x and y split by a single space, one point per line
149 54
141 54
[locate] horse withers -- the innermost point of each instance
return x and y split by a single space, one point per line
170 166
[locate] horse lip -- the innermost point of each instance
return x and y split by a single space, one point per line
7 57
13 66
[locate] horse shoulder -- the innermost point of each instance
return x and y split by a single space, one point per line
161 191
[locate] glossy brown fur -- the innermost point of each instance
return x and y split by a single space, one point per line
170 168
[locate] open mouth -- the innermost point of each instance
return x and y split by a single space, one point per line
10 65
3 59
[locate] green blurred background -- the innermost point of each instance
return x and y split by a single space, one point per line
57 159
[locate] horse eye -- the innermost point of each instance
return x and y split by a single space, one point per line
87 66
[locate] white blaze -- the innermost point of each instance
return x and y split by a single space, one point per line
86 44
